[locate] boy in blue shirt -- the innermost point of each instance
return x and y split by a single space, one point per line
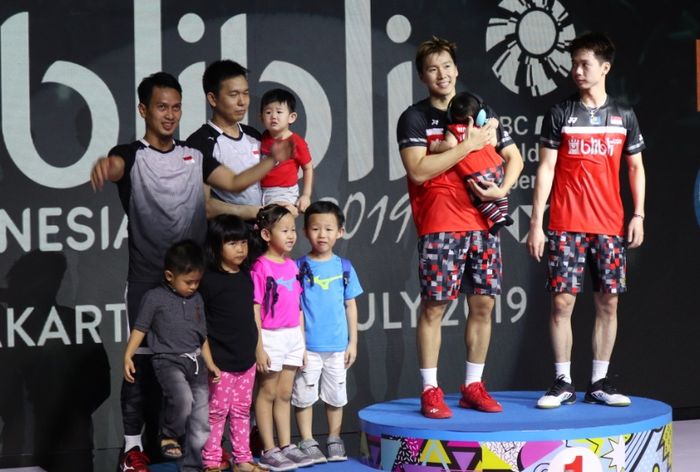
330 327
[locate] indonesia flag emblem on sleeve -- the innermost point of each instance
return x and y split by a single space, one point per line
616 120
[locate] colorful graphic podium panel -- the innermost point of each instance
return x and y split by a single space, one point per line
574 438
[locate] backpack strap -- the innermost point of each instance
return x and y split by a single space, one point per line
270 297
304 271
346 271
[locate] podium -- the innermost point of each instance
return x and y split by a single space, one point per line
573 438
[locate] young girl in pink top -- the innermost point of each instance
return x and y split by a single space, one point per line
280 350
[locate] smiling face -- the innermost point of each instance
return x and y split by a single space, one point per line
162 115
588 71
323 231
276 118
184 284
281 236
440 74
230 105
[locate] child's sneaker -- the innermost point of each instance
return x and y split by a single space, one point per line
311 449
603 393
475 396
432 404
134 460
297 456
561 393
336 449
276 461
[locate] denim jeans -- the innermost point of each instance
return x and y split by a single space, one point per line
185 406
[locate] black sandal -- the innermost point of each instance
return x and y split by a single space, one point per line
170 450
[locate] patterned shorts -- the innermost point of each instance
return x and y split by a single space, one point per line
569 253
470 260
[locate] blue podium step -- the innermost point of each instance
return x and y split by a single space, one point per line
574 438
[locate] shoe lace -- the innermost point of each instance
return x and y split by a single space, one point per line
434 395
480 391
607 387
558 386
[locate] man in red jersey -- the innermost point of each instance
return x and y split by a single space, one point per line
453 237
581 147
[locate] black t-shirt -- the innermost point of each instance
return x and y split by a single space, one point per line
231 329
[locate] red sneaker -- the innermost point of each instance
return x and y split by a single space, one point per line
134 461
475 396
432 404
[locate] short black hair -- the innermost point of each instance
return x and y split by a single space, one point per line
184 257
600 43
434 45
221 230
219 71
281 96
323 207
463 106
158 79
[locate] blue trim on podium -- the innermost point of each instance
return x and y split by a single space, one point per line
519 421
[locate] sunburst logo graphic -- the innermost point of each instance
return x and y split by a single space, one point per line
531 45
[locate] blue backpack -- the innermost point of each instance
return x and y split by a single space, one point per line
306 273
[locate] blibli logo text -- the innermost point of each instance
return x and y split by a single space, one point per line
592 146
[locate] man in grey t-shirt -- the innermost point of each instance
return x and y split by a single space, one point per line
161 187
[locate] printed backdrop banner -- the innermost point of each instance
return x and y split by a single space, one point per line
68 76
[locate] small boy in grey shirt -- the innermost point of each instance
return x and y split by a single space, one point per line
171 317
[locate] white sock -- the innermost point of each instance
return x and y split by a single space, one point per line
473 373
600 370
563 368
429 377
131 442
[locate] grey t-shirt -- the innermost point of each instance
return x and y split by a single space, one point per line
163 195
173 324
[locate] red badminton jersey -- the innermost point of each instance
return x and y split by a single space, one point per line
586 189
441 204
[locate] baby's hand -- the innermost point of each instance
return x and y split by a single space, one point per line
434 146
